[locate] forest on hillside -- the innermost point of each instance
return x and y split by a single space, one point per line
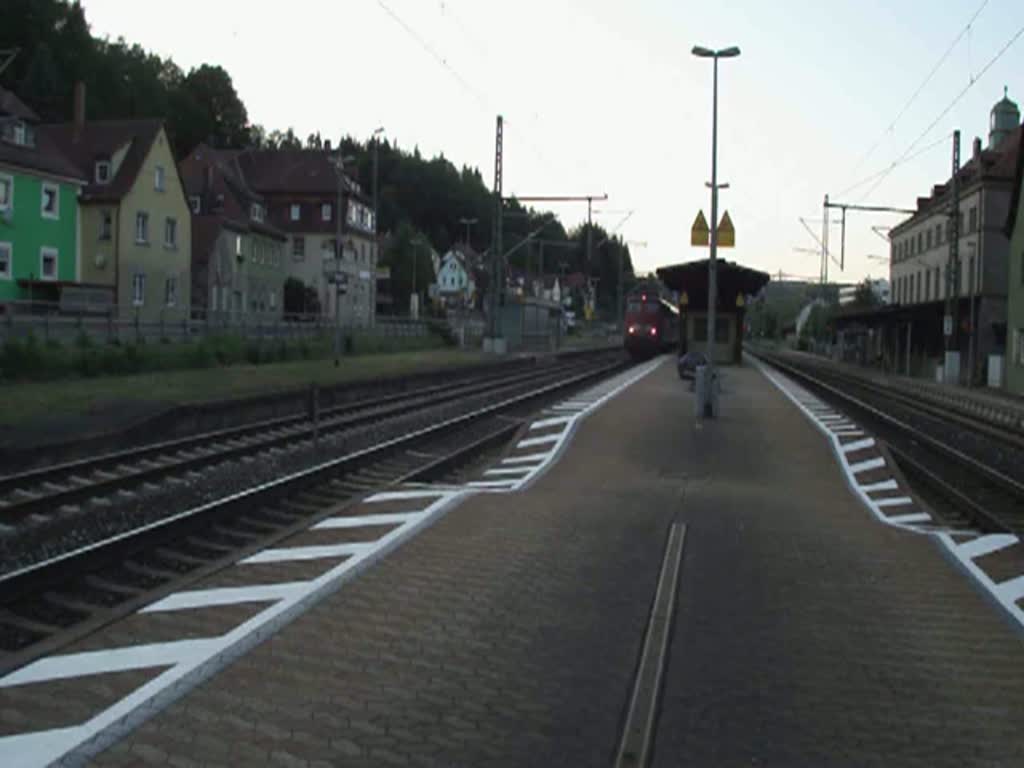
419 197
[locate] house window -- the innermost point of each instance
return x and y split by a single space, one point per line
171 233
972 220
102 171
256 212
238 245
158 178
138 289
273 299
171 291
194 204
142 227
296 211
6 192
6 257
298 248
50 201
106 225
920 242
325 212
48 263
938 234
928 243
214 295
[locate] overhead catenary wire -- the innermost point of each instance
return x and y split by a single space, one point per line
895 164
924 84
999 54
480 97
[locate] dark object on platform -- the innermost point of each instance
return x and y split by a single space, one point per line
687 364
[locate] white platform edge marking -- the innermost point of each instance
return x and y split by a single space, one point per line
516 471
897 501
912 517
361 521
531 441
865 466
290 554
960 551
858 445
551 422
530 459
206 598
986 545
54 744
185 663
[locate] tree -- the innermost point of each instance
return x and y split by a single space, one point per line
213 110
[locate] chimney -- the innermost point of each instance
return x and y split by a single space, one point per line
977 147
79 113
327 145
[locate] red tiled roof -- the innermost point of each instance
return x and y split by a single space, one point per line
225 194
100 139
998 164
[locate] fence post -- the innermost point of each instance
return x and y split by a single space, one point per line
163 329
46 326
138 331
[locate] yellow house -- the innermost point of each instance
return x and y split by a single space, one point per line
135 221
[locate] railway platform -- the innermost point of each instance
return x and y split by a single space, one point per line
822 616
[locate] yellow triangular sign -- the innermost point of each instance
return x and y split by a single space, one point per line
726 232
699 232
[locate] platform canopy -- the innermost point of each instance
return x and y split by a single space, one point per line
733 280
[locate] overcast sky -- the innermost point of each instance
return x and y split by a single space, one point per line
602 96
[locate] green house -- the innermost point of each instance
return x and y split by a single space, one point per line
39 226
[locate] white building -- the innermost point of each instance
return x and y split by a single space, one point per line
454 283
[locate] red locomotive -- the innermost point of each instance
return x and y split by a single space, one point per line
652 323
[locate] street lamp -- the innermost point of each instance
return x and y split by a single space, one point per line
707 53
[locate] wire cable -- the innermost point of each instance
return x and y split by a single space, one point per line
949 108
921 87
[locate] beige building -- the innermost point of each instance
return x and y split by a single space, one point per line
135 222
920 276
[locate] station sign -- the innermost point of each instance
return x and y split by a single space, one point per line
700 234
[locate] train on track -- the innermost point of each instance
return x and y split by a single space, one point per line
652 322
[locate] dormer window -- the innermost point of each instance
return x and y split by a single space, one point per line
256 212
195 204
102 172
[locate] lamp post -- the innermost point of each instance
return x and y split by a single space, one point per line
707 53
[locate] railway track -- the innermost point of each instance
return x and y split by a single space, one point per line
970 472
54 601
61 488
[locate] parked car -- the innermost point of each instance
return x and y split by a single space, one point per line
687 364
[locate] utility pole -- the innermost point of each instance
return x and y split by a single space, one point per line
495 342
952 367
590 241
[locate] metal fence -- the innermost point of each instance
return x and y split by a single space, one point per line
62 324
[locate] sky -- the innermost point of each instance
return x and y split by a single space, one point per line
604 97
